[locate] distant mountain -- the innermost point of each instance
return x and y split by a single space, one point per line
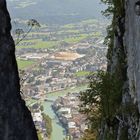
55 11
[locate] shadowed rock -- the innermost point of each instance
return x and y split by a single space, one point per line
15 119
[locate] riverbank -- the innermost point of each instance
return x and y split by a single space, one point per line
58 132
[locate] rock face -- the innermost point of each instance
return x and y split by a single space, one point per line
125 56
131 94
132 41
15 119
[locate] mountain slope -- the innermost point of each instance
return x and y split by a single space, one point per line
52 11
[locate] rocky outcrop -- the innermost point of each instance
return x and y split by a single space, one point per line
15 119
125 62
132 42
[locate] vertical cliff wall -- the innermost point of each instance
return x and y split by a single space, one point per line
124 61
15 119
132 42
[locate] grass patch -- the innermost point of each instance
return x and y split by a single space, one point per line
39 136
55 94
23 64
95 34
90 21
37 44
82 73
76 39
69 26
72 31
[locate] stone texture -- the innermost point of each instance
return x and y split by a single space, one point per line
127 43
132 41
15 119
131 92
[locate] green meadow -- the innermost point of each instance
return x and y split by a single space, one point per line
82 73
23 64
38 44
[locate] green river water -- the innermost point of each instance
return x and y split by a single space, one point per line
58 132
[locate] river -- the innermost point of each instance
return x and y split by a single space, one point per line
58 132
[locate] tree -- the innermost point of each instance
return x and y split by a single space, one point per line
48 123
31 23
15 119
89 135
99 101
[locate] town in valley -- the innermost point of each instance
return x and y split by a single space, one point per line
56 59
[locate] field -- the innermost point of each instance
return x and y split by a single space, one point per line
82 73
68 90
37 44
23 64
54 35
76 39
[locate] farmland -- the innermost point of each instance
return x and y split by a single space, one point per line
23 64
